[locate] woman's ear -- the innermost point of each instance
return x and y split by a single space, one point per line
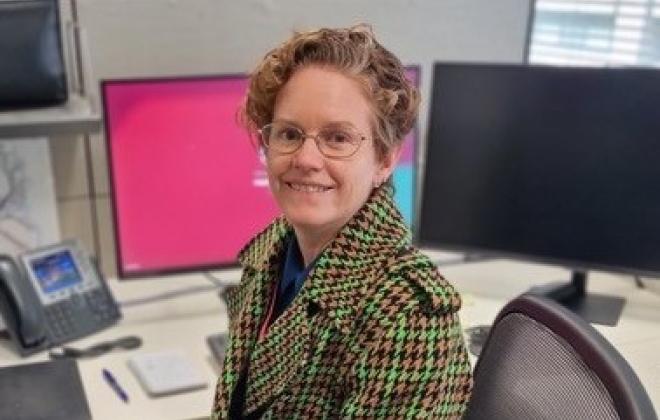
387 165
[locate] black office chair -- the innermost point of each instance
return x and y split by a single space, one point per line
541 361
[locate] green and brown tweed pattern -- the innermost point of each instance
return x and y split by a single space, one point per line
374 333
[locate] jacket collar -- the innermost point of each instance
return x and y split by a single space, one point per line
351 264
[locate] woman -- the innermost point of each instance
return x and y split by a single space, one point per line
336 315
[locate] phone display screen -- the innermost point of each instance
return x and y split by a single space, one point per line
56 271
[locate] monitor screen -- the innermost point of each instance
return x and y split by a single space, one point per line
405 173
189 188
552 164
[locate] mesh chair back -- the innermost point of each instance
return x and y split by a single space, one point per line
543 362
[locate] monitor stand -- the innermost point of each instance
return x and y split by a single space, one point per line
594 308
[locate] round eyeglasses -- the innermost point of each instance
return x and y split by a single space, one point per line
332 142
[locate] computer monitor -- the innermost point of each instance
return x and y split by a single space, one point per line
556 165
404 176
189 189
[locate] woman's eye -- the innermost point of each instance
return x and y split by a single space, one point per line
289 134
338 137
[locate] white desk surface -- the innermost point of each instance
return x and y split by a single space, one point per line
184 323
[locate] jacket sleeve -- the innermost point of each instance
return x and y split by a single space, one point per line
417 368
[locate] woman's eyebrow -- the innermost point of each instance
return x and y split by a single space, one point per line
286 121
340 124
328 124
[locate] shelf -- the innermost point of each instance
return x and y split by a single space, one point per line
76 116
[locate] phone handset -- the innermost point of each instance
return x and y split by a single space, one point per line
19 306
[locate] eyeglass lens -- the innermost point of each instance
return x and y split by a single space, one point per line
331 141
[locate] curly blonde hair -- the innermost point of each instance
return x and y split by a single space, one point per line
355 52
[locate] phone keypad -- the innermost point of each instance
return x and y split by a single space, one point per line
60 320
80 314
103 308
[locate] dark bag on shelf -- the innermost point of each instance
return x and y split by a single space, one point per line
32 70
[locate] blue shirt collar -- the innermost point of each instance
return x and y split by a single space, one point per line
293 276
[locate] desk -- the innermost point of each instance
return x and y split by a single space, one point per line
185 322
486 286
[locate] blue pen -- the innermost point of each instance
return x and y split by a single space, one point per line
110 379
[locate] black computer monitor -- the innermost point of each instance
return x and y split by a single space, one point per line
556 165
189 189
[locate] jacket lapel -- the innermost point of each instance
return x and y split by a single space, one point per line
247 304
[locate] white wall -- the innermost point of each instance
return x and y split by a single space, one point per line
131 38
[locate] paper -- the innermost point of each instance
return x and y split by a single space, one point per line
28 208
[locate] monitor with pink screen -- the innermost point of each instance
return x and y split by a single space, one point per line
188 186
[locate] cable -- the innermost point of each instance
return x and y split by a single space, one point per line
216 281
167 295
216 284
443 262
127 343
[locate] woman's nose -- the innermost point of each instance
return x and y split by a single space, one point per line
308 156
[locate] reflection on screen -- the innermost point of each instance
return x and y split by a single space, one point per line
56 272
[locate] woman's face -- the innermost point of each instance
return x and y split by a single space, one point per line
315 192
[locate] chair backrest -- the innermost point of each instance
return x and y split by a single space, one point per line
541 361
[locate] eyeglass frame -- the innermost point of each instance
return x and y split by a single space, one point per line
315 137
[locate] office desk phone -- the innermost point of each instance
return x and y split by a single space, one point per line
53 295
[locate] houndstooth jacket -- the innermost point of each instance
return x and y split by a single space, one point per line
373 333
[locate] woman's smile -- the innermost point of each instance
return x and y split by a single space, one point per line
306 187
